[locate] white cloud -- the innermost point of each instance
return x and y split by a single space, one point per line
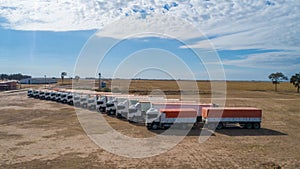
232 24
239 24
273 60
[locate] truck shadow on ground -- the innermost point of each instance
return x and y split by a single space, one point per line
180 132
238 131
229 131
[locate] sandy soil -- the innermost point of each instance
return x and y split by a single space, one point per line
45 134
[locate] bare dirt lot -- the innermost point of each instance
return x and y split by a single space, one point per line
45 134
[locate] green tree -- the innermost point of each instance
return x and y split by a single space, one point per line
62 75
295 80
277 78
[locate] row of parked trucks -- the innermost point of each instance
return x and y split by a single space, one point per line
155 112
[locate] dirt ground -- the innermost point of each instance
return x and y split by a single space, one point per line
45 134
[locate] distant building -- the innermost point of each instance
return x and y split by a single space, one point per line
8 85
38 81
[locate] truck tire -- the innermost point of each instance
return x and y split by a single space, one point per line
256 125
220 126
154 126
118 115
248 125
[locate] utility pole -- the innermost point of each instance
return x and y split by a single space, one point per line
45 81
99 81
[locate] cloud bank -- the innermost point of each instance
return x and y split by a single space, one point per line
230 25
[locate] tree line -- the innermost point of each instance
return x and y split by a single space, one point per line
17 76
278 77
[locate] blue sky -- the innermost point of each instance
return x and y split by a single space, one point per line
251 39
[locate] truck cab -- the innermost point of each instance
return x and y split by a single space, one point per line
63 97
101 103
70 99
84 101
76 100
137 112
30 93
91 103
123 107
42 95
52 96
35 93
112 106
47 95
57 96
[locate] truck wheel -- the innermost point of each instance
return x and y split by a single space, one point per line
220 126
256 125
118 116
248 126
154 126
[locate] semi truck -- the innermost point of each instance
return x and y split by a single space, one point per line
111 106
30 93
180 117
123 107
53 95
138 112
63 97
35 93
218 118
47 95
57 96
42 95
101 104
84 101
76 100
91 103
70 98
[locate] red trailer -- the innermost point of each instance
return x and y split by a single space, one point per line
218 117
167 117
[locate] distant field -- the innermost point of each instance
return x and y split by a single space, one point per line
142 86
